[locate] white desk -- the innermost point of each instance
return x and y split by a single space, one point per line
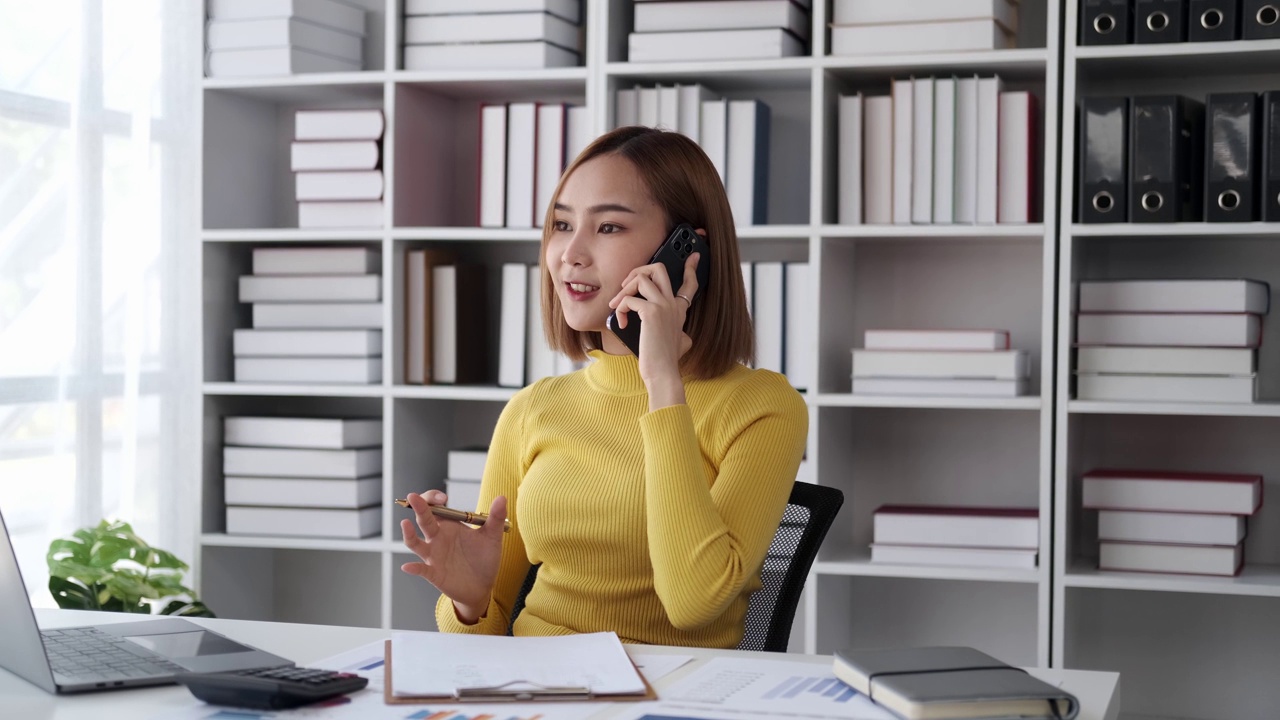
1098 692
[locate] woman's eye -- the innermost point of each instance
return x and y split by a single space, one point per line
608 228
560 226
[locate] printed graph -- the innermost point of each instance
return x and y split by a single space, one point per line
455 715
811 688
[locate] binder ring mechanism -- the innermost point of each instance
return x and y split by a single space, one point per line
1103 201
1152 201
521 691
1104 23
1210 19
1268 15
1157 21
1228 199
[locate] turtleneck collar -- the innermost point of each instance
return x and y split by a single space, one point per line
615 374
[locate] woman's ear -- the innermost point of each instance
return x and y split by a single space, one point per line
701 231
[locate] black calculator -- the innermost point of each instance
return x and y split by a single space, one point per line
271 689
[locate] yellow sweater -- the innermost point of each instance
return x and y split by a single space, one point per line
651 524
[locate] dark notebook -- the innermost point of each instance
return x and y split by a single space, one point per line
938 683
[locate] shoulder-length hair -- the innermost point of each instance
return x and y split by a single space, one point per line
683 182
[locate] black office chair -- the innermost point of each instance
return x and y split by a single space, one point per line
770 610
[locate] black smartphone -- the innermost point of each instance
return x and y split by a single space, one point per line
673 253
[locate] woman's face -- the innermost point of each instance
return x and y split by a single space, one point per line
606 225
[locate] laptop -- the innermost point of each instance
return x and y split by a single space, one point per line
110 656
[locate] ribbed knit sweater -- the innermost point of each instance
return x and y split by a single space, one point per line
653 525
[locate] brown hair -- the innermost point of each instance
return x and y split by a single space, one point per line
683 182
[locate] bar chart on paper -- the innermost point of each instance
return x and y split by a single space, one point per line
455 715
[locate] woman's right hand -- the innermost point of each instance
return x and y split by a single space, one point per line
459 560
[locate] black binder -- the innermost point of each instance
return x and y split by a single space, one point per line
1105 22
1165 138
1271 156
1159 21
1104 172
1213 20
1231 157
1260 19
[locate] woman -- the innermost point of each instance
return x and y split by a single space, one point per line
648 488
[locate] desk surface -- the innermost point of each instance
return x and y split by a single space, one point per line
305 644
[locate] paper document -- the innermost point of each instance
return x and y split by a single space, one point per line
655 666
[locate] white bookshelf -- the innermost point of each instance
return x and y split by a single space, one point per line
1186 647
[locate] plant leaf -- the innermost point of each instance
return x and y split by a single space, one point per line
167 560
110 550
195 608
63 549
72 596
130 587
86 574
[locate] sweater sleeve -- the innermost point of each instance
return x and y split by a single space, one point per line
708 535
504 468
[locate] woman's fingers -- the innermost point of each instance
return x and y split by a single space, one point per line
631 303
427 522
689 288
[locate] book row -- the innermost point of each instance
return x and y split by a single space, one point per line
666 31
878 27
1120 22
938 151
940 363
253 38
956 536
492 34
336 157
524 148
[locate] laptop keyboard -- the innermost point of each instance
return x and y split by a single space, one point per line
91 653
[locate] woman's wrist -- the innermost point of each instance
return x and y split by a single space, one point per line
468 615
665 391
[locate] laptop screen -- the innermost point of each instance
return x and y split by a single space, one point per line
22 652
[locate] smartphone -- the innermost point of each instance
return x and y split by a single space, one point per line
673 253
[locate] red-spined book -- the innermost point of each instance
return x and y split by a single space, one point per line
1165 491
1218 560
958 526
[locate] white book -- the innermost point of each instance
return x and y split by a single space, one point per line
302 492
467 464
920 37
522 144
336 185
748 161
940 387
880 12
315 261
769 318
284 31
578 132
721 15
340 155
712 45
903 162
799 328
540 359
922 151
936 340
966 169
488 56
330 13
359 214
957 527
993 365
690 121
715 134
668 107
318 315
511 341
849 160
417 343
1175 296
988 190
306 343
308 370
1197 330
297 462
302 432
338 124
647 106
444 324
1166 361
953 556
549 157
1164 491
1166 388
944 150
878 147
1176 528
1014 174
626 109
310 288
463 495
265 62
493 27
493 165
304 522
568 9
1178 559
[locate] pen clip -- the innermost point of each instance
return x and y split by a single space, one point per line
505 693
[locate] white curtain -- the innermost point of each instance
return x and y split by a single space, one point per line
99 271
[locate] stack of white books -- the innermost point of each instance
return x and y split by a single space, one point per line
336 158
938 150
1171 522
250 38
782 318
879 27
940 363
524 148
317 317
1169 340
317 477
956 536
492 34
681 30
466 470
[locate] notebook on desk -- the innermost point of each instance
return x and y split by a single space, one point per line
941 683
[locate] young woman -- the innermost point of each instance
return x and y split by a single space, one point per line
648 488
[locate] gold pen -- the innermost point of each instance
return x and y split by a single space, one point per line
470 518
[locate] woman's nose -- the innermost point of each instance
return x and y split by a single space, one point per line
575 251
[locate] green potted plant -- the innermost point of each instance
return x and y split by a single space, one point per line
109 567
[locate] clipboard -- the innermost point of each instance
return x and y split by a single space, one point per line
501 694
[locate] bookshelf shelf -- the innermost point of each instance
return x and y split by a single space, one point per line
1021 63
467 234
1030 233
774 232
265 389
1172 59
453 392
304 88
1253 581
515 84
727 76
1182 230
293 235
860 565
368 545
937 403
1093 407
